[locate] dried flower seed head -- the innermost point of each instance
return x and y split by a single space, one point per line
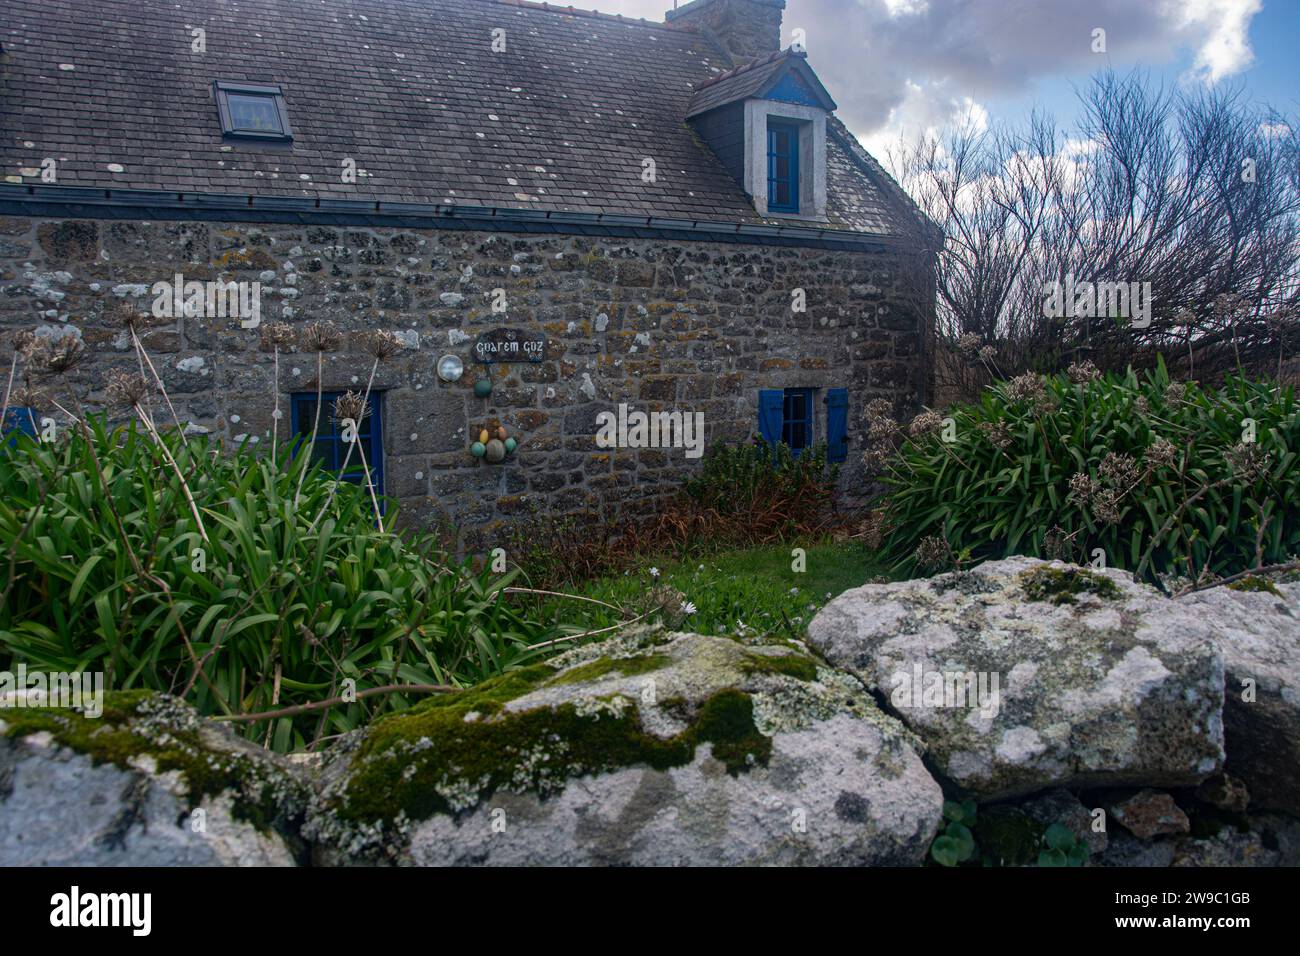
26 342
1160 454
1028 386
933 553
969 342
878 455
277 335
351 405
1141 405
1081 372
1082 488
124 314
1105 507
1247 460
321 337
880 408
670 602
126 389
26 396
998 434
382 344
1118 470
61 355
873 529
1057 545
925 422
1176 393
988 353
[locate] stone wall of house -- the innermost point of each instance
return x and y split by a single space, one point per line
692 326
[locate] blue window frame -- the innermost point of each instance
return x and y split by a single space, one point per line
330 449
797 418
782 166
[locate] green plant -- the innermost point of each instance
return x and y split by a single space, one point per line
1062 848
241 582
739 593
955 844
769 492
1167 479
744 496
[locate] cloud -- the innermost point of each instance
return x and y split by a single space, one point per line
901 66
1226 48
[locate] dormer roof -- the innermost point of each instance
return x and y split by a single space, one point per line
784 75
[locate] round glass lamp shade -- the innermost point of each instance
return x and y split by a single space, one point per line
450 368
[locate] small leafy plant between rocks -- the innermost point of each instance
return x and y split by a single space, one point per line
955 843
1062 848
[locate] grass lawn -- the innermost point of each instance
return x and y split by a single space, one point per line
747 591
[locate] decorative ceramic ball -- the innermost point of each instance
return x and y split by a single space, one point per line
477 449
483 436
501 432
450 368
483 388
496 450
511 445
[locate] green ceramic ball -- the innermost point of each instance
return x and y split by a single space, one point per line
483 388
496 450
511 445
478 450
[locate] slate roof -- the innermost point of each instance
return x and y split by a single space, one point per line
409 89
750 79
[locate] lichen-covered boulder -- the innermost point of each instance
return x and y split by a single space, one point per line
648 749
1258 629
147 783
1020 675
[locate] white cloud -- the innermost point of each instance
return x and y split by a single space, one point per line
1225 49
897 67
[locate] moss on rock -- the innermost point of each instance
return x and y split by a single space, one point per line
447 755
798 666
626 667
1063 585
1253 582
143 729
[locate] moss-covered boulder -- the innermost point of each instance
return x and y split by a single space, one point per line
147 783
649 749
1021 675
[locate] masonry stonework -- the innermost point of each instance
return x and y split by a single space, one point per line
661 325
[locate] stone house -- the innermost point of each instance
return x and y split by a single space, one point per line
580 211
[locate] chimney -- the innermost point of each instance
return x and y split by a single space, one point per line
746 29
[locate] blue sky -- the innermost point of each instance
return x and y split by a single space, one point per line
901 67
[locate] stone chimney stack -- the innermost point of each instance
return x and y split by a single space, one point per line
746 29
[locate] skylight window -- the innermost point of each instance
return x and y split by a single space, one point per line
252 112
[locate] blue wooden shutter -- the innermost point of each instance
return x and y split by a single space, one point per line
771 402
837 424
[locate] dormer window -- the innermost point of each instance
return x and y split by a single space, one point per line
766 122
782 167
252 112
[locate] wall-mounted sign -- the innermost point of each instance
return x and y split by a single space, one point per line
510 345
